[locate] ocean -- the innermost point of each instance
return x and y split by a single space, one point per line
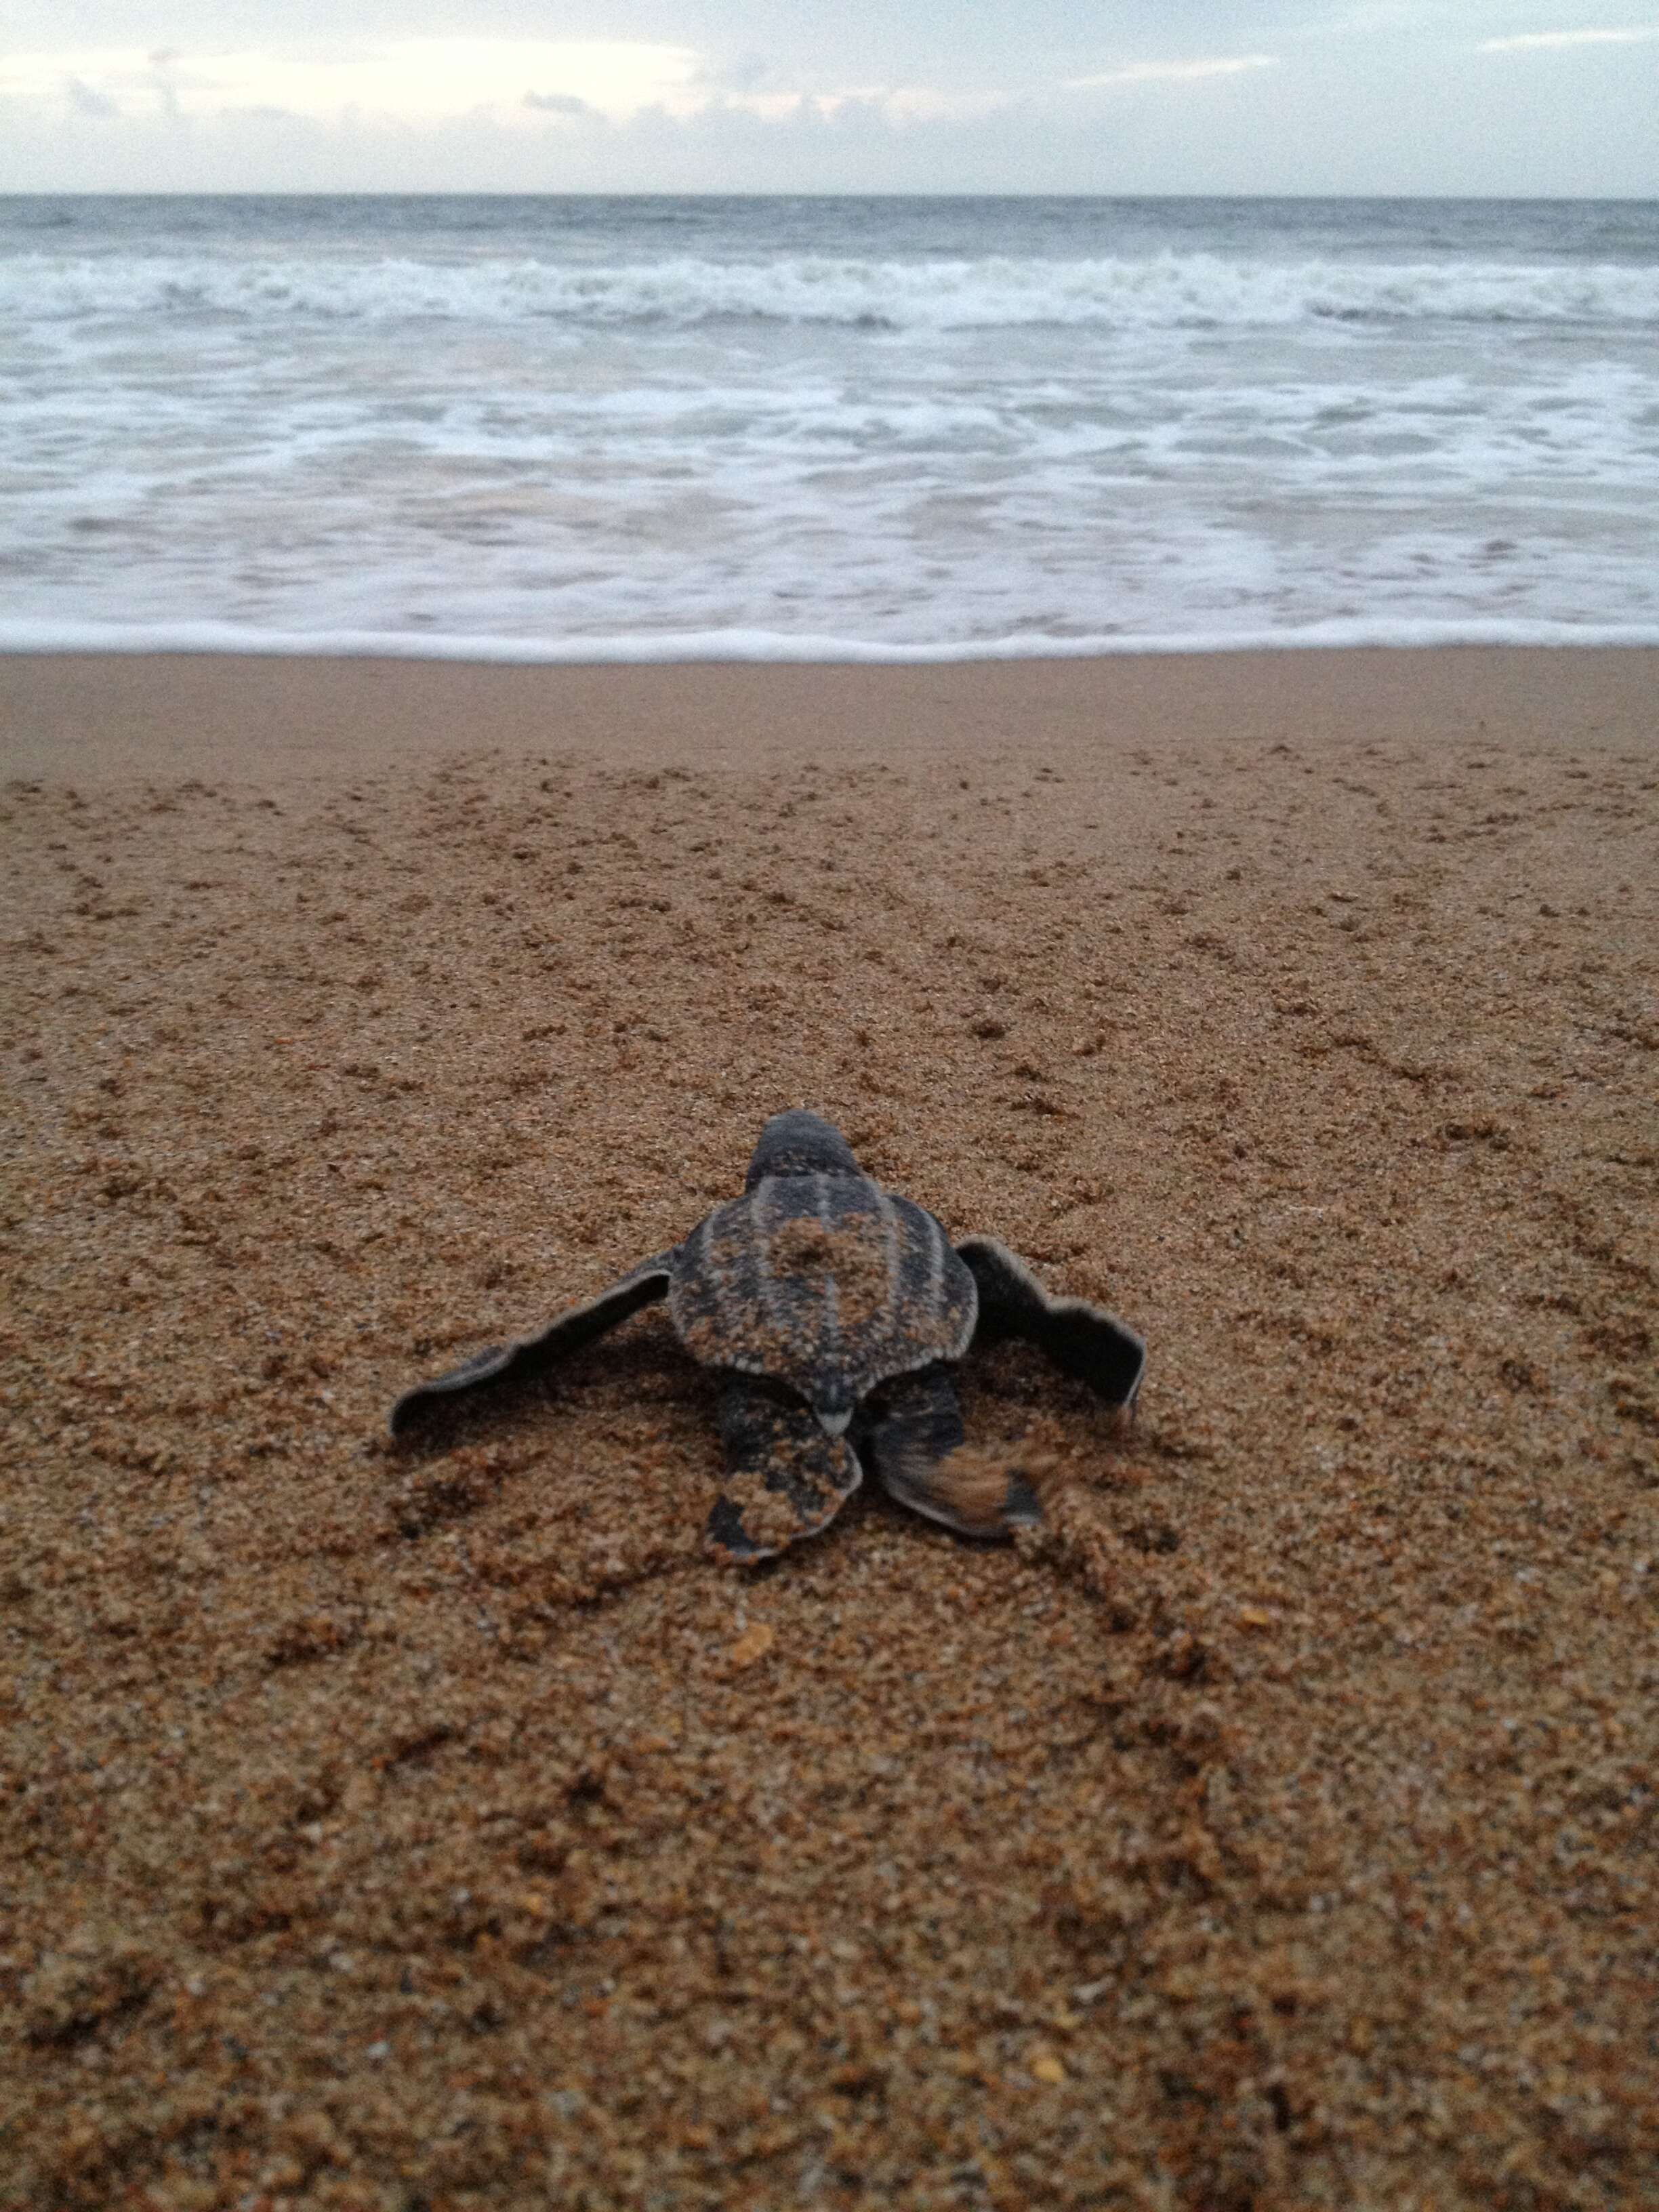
789 428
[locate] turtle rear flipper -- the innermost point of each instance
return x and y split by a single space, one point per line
784 1477
530 1355
916 1443
1083 1341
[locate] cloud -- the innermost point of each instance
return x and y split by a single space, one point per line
1173 72
85 101
748 73
812 110
425 84
161 61
412 80
1531 41
913 103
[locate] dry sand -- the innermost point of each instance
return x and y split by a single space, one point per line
442 1829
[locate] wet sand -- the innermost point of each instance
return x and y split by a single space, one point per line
440 1828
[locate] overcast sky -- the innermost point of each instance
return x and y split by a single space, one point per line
1542 97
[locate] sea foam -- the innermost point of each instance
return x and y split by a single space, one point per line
853 430
761 646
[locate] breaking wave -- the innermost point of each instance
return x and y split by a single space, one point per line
1165 291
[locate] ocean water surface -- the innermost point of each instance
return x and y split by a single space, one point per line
879 428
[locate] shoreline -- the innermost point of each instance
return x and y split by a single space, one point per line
1274 1826
778 648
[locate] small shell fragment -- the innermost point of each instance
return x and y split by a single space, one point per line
754 1643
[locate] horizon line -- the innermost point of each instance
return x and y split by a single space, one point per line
744 193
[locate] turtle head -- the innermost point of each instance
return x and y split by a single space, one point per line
799 1143
834 1405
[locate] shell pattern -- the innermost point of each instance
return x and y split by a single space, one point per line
824 1283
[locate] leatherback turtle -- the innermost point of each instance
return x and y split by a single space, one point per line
837 1311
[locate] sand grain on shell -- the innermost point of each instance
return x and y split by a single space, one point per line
439 1828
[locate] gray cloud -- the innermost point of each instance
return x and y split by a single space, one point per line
85 101
747 73
557 103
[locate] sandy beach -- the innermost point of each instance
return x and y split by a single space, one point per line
430 1828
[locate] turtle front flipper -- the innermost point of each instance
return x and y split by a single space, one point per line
784 1477
1083 1341
916 1443
530 1355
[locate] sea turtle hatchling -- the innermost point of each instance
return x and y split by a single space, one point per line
836 1310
